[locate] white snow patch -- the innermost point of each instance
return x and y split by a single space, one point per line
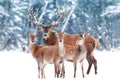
17 18
3 12
16 65
111 10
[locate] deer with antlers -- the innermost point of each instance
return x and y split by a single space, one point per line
70 39
51 54
48 35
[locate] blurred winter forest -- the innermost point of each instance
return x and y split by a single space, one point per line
98 18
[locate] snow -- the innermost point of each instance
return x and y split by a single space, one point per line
3 12
64 26
16 65
111 10
17 18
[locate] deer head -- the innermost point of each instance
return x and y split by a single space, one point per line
46 29
60 37
81 39
32 37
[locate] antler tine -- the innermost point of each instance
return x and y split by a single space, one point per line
30 15
34 17
31 12
37 13
61 11
61 14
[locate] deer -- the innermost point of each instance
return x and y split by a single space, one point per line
48 35
76 53
48 54
50 38
81 53
91 43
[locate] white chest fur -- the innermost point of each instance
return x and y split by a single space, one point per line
82 54
61 49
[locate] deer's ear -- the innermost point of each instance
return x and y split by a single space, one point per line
36 34
83 35
41 28
56 34
64 33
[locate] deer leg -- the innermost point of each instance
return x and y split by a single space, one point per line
38 70
63 70
89 59
42 73
55 70
58 71
74 64
95 64
82 68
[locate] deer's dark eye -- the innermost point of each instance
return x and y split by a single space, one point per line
81 35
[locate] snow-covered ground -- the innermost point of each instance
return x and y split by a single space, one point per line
16 65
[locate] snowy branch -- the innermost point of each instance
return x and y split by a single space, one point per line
111 10
68 19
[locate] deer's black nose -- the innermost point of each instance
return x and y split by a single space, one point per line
60 40
45 34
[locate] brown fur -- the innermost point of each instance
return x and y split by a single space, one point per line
71 39
90 43
51 40
44 54
76 53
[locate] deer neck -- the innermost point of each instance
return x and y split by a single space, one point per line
61 49
33 48
51 40
82 48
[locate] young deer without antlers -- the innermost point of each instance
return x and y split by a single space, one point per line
80 54
50 54
70 39
77 53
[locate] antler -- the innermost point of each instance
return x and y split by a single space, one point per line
33 17
59 20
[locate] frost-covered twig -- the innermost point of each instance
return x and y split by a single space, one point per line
68 19
43 12
111 10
